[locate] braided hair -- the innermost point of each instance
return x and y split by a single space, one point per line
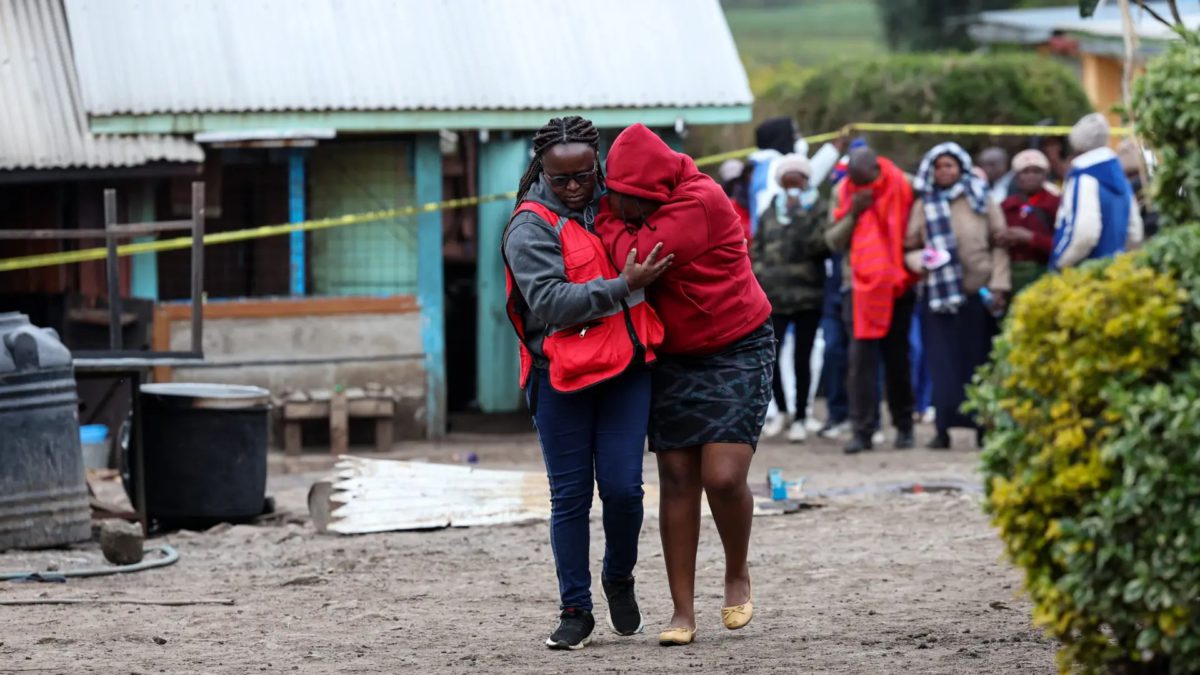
559 131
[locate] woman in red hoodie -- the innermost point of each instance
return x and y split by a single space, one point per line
712 384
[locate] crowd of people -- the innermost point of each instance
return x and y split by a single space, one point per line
650 304
890 285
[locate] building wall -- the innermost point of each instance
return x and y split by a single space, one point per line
1102 76
378 258
380 328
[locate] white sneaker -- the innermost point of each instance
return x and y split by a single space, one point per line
813 425
930 416
797 433
837 431
774 426
878 438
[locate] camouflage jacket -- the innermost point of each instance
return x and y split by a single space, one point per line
789 260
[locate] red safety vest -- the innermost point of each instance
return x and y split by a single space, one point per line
586 354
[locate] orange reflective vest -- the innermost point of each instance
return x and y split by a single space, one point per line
586 354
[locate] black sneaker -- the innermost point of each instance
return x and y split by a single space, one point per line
624 616
904 439
574 630
939 442
858 444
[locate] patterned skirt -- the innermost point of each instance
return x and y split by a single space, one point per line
720 398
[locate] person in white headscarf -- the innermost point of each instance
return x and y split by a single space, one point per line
1099 215
789 253
775 138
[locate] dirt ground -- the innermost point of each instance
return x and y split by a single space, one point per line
868 583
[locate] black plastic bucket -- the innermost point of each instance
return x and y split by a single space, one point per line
205 452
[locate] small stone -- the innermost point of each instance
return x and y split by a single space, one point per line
159 641
121 542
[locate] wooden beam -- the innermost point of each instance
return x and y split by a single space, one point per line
293 307
339 424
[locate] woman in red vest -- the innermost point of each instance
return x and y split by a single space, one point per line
586 336
712 382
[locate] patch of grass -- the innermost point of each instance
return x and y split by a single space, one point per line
807 33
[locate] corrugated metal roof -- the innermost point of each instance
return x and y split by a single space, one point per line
1037 25
183 56
42 124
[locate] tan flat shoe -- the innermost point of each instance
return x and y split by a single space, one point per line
738 616
676 637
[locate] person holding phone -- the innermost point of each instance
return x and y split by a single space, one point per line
965 278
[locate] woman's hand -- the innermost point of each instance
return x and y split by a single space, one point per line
1014 236
640 275
999 301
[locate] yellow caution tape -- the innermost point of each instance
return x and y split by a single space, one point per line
974 129
82 255
99 253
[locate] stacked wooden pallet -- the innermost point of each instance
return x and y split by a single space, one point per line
375 402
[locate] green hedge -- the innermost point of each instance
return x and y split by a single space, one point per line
932 88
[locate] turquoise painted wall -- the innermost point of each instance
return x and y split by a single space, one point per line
431 285
501 164
145 265
371 258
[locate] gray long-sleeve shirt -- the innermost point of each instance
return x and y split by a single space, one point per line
547 300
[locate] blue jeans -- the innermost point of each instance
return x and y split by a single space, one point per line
834 370
594 436
922 385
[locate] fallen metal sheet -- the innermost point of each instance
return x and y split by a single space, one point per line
379 495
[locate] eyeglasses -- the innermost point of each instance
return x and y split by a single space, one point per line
563 180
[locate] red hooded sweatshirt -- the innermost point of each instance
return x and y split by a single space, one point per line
709 299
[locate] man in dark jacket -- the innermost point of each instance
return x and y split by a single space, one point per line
789 255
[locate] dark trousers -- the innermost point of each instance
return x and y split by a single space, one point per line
596 436
864 369
806 325
962 342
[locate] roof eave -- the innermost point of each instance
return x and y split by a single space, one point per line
407 121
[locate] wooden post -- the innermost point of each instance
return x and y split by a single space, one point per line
339 422
115 339
296 252
292 441
197 267
384 431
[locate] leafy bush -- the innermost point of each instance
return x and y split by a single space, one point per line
996 89
1092 465
1168 118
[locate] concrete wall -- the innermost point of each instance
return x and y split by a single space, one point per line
335 328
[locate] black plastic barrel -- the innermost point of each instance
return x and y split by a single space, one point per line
205 453
43 494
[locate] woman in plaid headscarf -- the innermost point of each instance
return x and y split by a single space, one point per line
954 227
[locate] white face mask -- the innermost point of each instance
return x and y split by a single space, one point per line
794 192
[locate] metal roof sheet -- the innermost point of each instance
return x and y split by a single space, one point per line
1037 25
42 123
184 56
